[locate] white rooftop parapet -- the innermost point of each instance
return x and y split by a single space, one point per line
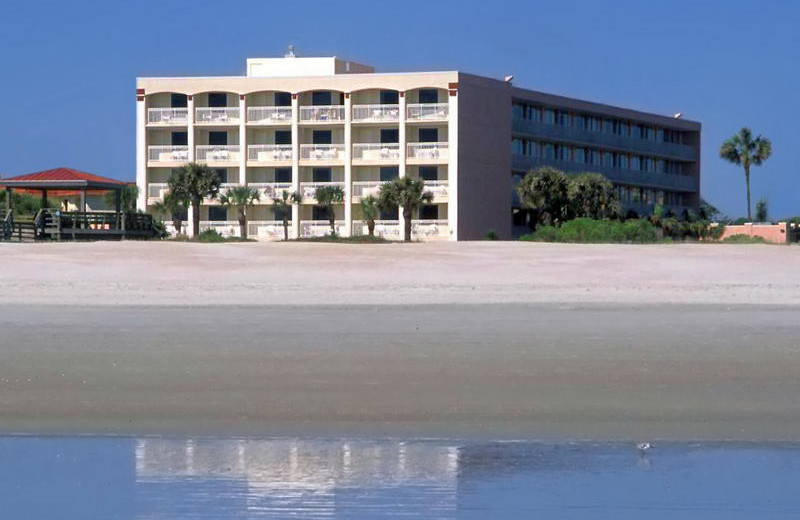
291 66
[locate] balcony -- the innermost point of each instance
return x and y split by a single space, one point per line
388 229
267 229
212 116
322 114
223 155
167 116
320 228
167 155
271 190
426 112
269 115
156 191
269 154
438 189
309 189
430 230
376 153
322 153
376 113
226 228
366 188
427 153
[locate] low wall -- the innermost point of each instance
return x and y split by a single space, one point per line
775 233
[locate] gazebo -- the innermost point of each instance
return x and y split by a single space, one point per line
59 223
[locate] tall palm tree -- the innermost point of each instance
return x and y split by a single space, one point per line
326 197
283 205
194 182
745 151
172 207
241 198
370 211
407 193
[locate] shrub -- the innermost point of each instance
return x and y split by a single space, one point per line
584 230
744 239
210 235
491 235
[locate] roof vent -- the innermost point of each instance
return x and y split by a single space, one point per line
290 54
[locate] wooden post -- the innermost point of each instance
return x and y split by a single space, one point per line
83 201
44 199
8 198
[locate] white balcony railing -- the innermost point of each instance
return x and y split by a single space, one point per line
320 228
168 154
213 153
322 114
271 190
269 115
429 229
437 188
269 153
267 229
226 228
309 189
376 152
427 112
364 188
167 116
322 153
157 190
376 113
428 151
389 229
217 115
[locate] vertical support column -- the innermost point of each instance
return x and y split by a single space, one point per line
242 139
141 150
348 167
8 199
82 207
190 144
403 154
295 163
452 163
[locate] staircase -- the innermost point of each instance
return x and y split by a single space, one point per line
19 229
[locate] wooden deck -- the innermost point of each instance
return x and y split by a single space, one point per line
51 224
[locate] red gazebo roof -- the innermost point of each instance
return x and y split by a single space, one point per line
62 175
61 182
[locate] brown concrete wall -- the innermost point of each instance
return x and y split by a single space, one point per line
775 233
484 157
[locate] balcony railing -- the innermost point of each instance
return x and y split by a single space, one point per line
437 188
271 190
322 153
269 153
217 115
420 152
212 153
322 114
269 115
168 116
168 154
267 229
430 229
320 228
364 188
157 190
227 228
389 229
309 189
376 113
427 112
376 152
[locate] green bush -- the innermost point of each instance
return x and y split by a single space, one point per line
584 230
744 239
210 235
490 235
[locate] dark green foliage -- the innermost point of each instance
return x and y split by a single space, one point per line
591 195
744 239
193 183
584 230
24 203
546 191
406 193
746 151
326 197
762 210
491 235
127 198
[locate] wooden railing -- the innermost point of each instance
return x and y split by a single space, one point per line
53 223
7 225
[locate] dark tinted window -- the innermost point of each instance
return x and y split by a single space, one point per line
390 97
322 137
428 135
319 213
390 135
178 101
389 173
283 175
218 138
217 213
180 138
222 173
428 173
283 137
321 175
217 99
282 99
392 214
321 98
429 212
429 95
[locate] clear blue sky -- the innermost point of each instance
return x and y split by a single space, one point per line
69 68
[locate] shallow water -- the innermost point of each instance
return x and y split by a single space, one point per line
159 478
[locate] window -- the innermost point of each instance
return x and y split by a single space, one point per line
429 212
623 128
217 213
636 131
635 163
563 118
580 122
178 101
428 135
277 214
597 125
389 97
549 116
180 138
391 214
283 175
322 137
222 173
218 138
390 135
517 146
518 111
217 99
623 162
428 95
563 153
549 151
428 173
282 99
321 175
608 126
319 213
608 159
389 173
321 98
283 137
579 155
535 114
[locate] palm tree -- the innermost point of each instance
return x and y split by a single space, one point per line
240 197
370 211
407 193
194 182
127 198
172 207
326 197
743 150
283 205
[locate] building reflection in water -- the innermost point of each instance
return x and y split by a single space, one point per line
249 478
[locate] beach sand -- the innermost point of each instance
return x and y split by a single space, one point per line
485 340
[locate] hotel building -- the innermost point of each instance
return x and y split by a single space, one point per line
300 123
